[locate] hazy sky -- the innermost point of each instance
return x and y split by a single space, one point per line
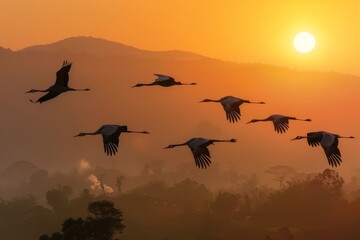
243 31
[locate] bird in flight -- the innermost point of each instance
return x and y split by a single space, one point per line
60 86
110 134
198 147
231 106
329 142
163 81
281 122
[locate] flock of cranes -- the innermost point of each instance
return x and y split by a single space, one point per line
198 146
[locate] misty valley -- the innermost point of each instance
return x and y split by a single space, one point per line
161 203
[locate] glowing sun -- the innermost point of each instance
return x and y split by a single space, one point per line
304 42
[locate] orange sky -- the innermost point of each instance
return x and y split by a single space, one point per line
243 31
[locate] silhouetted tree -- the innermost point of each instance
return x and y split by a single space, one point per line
310 201
58 198
281 174
75 229
225 203
23 213
103 222
331 181
189 193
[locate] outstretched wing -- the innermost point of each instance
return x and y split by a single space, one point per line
200 151
281 124
201 156
62 76
110 136
330 143
162 77
333 155
314 138
231 106
48 96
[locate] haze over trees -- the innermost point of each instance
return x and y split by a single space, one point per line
309 206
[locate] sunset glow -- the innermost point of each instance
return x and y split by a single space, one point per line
179 119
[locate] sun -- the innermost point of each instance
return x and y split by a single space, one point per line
304 42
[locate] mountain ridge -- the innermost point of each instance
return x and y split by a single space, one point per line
104 47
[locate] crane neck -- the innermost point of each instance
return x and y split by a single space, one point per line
211 100
229 140
299 119
247 101
181 144
144 132
91 133
346 137
77 89
180 83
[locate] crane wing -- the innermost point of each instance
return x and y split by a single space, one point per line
330 144
200 152
48 96
314 138
281 124
201 156
162 77
62 76
111 136
231 106
333 155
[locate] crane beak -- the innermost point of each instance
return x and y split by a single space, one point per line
293 139
77 135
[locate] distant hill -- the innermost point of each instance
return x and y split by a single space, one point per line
17 173
43 134
102 47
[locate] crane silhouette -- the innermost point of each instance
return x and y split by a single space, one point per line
329 142
163 81
231 106
60 86
110 134
281 122
198 147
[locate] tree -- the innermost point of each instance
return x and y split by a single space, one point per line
226 203
331 181
103 222
58 198
75 229
311 201
281 174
